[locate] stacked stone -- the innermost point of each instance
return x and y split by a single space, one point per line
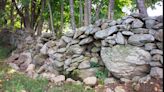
129 47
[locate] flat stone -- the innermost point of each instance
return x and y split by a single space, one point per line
156 72
137 23
90 81
86 41
140 39
120 38
156 51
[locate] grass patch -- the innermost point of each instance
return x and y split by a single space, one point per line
18 82
70 88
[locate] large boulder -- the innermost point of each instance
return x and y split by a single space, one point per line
126 61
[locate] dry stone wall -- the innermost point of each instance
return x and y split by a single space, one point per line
129 47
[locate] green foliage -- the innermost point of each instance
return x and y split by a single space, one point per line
5 50
101 75
94 64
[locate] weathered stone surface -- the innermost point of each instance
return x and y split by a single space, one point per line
101 34
66 39
44 49
86 40
90 81
84 65
140 31
137 23
156 51
58 79
140 39
149 23
84 73
119 89
132 61
104 26
120 38
127 33
76 49
150 46
159 35
156 72
109 81
78 33
39 59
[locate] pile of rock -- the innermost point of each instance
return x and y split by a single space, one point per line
128 48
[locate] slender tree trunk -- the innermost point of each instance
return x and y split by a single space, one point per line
86 19
33 8
72 15
62 15
98 9
81 14
51 17
110 9
142 8
12 16
89 11
40 22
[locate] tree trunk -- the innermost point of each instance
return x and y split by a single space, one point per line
62 15
142 8
72 15
110 9
12 16
40 22
98 9
86 20
81 14
51 18
89 11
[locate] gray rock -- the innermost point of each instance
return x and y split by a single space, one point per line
82 36
150 23
39 59
69 34
156 72
89 30
112 23
101 34
109 81
74 42
119 89
113 42
94 60
44 49
137 23
66 39
76 49
159 45
120 38
78 59
67 61
124 80
95 29
84 65
104 33
140 39
132 61
50 44
156 51
113 37
104 43
155 64
104 26
56 63
77 34
152 32
86 40
84 73
128 21
150 46
140 31
97 43
61 43
159 35
112 30
157 57
127 33
158 26
90 81
61 50
46 35
58 56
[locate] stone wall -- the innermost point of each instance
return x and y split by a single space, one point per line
129 48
